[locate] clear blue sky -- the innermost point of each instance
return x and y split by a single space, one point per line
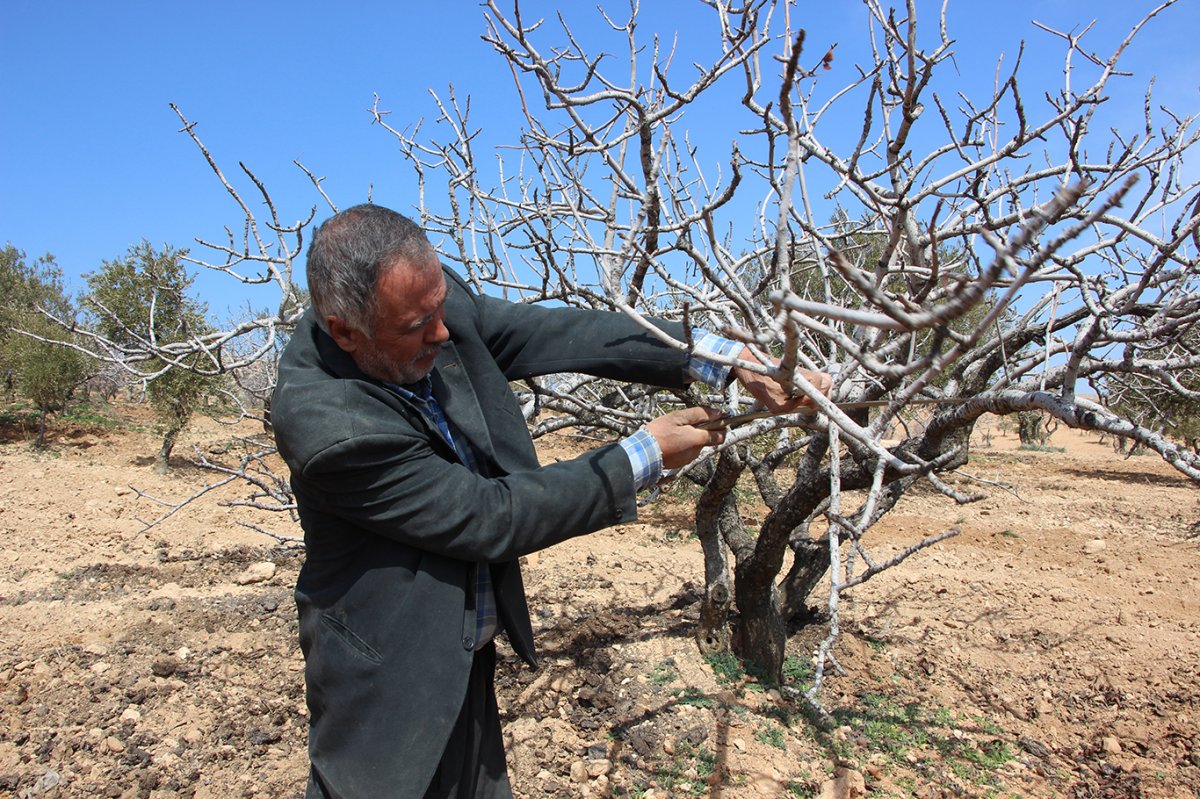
91 160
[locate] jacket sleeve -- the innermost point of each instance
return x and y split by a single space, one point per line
398 486
527 340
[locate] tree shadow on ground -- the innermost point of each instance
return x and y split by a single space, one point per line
1123 476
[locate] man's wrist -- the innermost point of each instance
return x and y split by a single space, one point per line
645 458
701 366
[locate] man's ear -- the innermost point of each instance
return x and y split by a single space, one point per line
343 335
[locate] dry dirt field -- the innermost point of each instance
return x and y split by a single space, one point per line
1049 650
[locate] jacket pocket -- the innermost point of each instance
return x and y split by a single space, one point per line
351 639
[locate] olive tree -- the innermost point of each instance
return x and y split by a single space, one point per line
143 304
33 366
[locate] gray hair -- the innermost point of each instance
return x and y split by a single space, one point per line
349 253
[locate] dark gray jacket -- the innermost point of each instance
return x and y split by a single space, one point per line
394 524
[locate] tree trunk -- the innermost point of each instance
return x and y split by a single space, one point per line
712 633
809 564
761 633
162 462
762 630
717 520
1029 429
40 441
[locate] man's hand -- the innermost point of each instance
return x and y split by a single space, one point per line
678 438
768 391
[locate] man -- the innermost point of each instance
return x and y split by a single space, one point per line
418 488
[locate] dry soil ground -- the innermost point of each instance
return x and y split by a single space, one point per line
1051 649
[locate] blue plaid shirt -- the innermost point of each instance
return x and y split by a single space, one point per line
645 457
421 393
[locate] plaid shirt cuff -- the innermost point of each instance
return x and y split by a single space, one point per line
701 369
645 457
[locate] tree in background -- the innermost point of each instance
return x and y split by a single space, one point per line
34 366
142 304
1162 399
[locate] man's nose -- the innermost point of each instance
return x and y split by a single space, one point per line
437 332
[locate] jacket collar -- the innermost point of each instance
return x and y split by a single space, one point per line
452 386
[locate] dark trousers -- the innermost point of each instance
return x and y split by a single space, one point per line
473 765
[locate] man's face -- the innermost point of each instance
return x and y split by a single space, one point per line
409 325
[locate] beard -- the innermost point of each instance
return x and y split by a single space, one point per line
380 366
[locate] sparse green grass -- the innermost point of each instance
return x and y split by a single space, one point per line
90 415
801 790
877 644
13 415
674 536
1009 534
1040 448
694 697
665 673
797 671
688 772
726 666
772 735
912 732
987 725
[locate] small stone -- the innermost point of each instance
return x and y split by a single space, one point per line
45 783
1111 745
114 744
131 714
579 771
256 573
765 783
595 768
165 666
1095 546
846 784
101 666
739 744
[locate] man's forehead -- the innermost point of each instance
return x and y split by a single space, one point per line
417 289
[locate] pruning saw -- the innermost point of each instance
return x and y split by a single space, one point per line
739 419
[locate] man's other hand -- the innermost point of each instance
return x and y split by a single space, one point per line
768 391
678 438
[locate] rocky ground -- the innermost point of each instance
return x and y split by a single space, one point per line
1049 650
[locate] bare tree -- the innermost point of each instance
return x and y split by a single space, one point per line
1005 251
1074 250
